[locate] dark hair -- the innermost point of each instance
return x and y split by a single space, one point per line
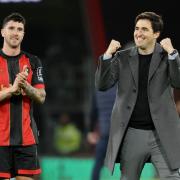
17 17
155 19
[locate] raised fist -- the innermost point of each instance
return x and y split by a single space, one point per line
113 47
167 45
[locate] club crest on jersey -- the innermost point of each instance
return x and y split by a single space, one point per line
39 74
27 70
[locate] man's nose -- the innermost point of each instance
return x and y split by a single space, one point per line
139 32
15 32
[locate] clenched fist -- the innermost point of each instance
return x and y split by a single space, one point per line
113 46
167 45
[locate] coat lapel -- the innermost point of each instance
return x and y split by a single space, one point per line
156 59
134 64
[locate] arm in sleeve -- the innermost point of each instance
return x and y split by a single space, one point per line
36 90
174 71
107 73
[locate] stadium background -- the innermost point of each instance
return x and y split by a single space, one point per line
68 36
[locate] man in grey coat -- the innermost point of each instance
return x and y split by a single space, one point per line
144 124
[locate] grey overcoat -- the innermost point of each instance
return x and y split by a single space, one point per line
164 75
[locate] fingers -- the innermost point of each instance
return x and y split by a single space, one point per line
20 80
116 44
167 45
93 138
21 76
2 86
113 47
165 42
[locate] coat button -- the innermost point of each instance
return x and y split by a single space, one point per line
134 90
128 107
122 124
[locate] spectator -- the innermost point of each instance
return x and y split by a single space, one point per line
100 112
67 137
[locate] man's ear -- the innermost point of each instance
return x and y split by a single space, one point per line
157 34
2 32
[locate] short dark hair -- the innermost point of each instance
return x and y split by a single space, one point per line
17 17
155 19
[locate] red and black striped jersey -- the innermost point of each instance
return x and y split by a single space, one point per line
17 125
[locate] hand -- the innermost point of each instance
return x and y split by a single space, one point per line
22 76
15 89
20 81
2 87
167 45
113 47
93 137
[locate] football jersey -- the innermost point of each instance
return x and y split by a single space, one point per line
17 124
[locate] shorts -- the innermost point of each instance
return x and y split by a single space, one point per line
18 160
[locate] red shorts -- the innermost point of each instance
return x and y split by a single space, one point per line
18 160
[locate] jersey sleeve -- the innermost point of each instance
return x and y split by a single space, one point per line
37 77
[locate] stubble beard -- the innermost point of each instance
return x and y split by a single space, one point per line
13 46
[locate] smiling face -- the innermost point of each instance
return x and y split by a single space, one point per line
144 36
13 33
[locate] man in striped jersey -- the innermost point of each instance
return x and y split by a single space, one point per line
21 83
